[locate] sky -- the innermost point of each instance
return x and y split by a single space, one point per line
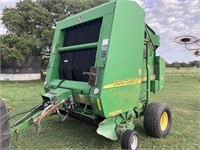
168 18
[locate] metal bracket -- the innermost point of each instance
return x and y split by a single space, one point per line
93 75
60 115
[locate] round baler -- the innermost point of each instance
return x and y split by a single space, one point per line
102 70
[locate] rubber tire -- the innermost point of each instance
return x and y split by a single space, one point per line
126 139
5 133
152 117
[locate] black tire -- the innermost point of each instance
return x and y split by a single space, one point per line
4 127
130 140
157 120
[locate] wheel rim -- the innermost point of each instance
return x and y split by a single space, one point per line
134 142
164 121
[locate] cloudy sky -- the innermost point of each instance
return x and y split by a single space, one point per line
168 18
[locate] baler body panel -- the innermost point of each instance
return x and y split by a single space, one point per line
110 37
58 45
122 73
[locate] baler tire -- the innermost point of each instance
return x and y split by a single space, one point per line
5 133
130 140
157 120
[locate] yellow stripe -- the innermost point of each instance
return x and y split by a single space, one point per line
126 82
145 78
120 83
116 112
99 104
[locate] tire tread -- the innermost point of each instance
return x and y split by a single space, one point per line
152 119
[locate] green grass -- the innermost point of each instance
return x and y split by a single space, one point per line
182 93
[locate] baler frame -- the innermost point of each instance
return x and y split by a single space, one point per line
89 79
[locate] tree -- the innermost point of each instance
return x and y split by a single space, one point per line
15 48
197 64
167 64
31 26
183 64
176 65
191 64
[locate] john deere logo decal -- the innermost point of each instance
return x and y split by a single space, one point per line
125 82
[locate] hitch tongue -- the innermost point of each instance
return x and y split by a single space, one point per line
46 112
53 100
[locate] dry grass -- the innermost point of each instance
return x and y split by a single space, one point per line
175 71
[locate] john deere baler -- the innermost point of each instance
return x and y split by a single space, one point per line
102 69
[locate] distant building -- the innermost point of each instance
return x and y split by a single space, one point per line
26 71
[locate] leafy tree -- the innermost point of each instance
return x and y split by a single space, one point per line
31 24
176 65
197 64
191 64
167 64
15 48
183 64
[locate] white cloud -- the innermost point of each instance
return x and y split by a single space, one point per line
5 1
2 30
3 4
170 19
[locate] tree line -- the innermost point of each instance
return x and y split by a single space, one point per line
178 65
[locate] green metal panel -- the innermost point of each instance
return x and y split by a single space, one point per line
124 60
100 11
100 62
159 72
57 95
80 87
78 47
162 66
82 98
90 14
53 61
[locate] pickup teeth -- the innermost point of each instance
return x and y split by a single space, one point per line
93 122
